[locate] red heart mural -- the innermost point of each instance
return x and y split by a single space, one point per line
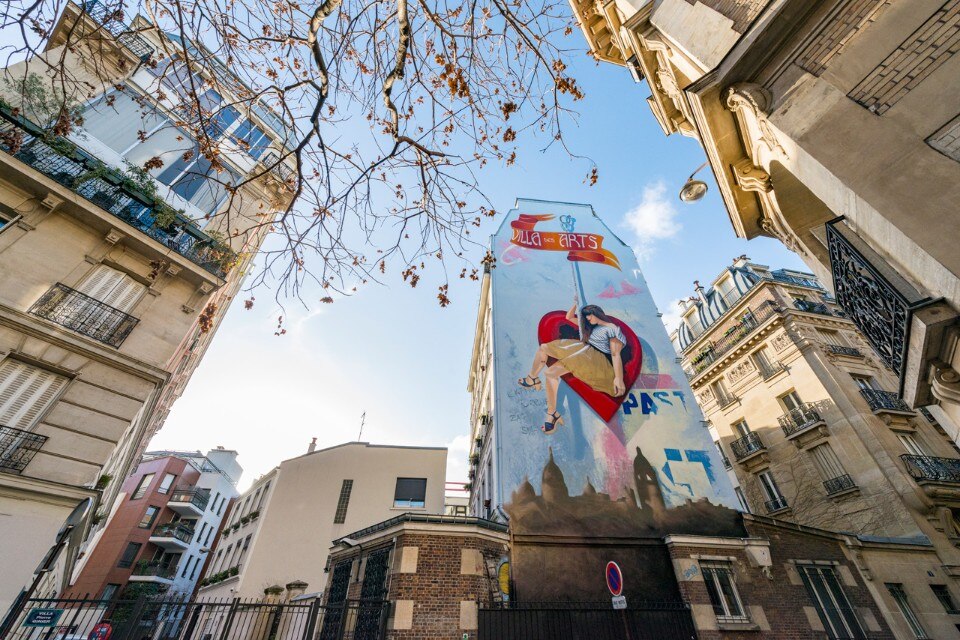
554 326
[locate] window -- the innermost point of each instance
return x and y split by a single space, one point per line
743 500
219 117
166 484
112 287
827 462
722 590
831 602
720 393
220 509
410 493
912 444
186 566
149 517
775 499
790 401
251 138
4 220
693 321
762 363
129 555
340 516
741 428
831 337
193 178
943 595
142 486
266 488
900 597
117 119
206 542
193 572
109 591
864 382
25 393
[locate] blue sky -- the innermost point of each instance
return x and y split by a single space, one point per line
392 352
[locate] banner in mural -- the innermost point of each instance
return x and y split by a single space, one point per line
596 425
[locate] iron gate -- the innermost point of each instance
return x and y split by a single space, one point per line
229 619
587 621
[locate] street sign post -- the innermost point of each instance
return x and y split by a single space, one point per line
614 578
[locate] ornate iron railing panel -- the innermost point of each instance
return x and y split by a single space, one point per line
156 569
930 469
799 419
878 307
776 504
87 316
884 401
838 484
17 448
812 307
746 446
77 170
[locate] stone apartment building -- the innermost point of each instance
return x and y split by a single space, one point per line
162 528
281 528
831 126
115 279
807 420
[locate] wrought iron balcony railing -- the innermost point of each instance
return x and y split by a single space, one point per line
929 469
799 419
17 448
812 307
839 484
65 163
112 22
181 532
772 369
746 446
884 401
841 350
776 504
156 569
734 336
726 462
199 498
87 316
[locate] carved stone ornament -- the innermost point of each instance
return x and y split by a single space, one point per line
750 177
750 103
945 382
740 370
781 341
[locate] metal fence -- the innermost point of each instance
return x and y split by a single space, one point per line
169 619
587 621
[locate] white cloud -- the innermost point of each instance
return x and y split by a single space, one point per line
654 219
457 451
671 315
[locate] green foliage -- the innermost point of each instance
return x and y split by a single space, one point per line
137 179
103 481
98 171
41 104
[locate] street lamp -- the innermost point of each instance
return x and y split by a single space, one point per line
694 190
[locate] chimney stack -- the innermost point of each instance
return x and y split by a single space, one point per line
312 446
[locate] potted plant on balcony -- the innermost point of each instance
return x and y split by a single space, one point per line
474 459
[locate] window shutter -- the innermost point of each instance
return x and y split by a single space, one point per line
414 489
25 392
112 287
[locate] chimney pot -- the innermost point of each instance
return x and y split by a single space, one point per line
312 446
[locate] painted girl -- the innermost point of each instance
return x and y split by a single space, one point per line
595 359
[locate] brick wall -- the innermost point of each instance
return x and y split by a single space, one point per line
912 61
774 597
741 12
853 17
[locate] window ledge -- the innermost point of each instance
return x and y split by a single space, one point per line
738 626
840 495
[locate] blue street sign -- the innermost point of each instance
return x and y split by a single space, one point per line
42 617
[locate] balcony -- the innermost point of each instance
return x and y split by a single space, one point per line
777 504
803 425
172 536
939 477
885 402
112 21
87 316
812 307
840 350
189 502
114 192
153 572
17 448
734 336
748 449
769 370
840 484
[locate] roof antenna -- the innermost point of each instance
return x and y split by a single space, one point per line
363 419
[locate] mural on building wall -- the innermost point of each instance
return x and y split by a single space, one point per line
596 425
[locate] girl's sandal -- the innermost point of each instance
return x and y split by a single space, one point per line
550 426
534 383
